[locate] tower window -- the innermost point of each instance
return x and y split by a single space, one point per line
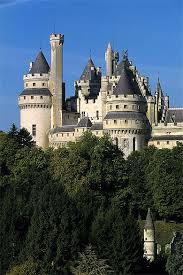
33 130
34 84
134 141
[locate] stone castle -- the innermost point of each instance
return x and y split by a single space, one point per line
119 104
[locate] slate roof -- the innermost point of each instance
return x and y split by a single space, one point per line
86 75
97 126
168 137
40 65
66 128
127 84
174 115
125 115
149 221
84 122
36 91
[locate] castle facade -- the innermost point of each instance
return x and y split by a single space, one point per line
119 104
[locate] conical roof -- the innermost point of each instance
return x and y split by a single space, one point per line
124 86
149 221
85 122
40 66
86 75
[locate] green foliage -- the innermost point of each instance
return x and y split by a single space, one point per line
107 171
29 267
174 264
117 238
53 203
89 264
165 178
56 227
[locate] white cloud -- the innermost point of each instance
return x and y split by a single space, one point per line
7 3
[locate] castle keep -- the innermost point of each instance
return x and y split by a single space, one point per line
119 104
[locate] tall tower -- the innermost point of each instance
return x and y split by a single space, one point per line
35 101
109 60
56 79
149 237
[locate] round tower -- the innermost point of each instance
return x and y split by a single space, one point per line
126 121
109 60
35 101
56 78
149 237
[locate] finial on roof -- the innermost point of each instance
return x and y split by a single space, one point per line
125 55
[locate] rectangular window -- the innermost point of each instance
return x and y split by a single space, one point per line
117 107
110 107
34 84
33 130
158 142
125 106
167 142
32 97
115 121
97 114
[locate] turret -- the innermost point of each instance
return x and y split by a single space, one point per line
56 78
149 237
109 60
35 101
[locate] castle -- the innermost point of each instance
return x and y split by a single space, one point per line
120 104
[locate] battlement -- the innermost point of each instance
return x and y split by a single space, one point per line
57 37
125 97
35 76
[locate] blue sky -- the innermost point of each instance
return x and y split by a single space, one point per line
151 30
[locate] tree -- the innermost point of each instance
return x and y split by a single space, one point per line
174 264
89 264
56 228
107 172
29 267
139 194
117 238
165 179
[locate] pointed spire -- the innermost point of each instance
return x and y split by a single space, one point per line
40 65
158 88
149 220
86 75
109 46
